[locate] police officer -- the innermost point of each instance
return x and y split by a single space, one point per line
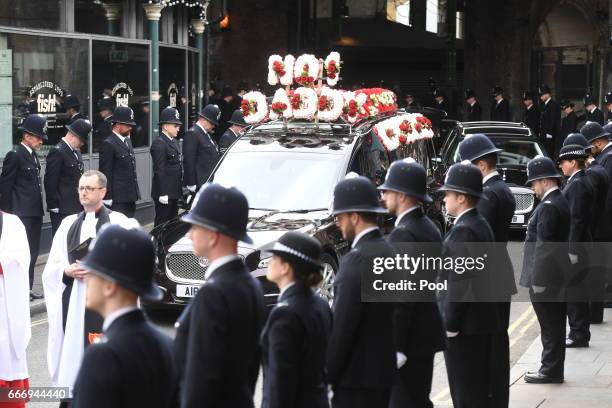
550 121
440 100
500 107
608 102
200 152
578 192
103 128
133 364
419 332
166 188
531 115
236 129
498 209
20 185
470 328
63 171
569 121
294 340
118 163
218 334
473 110
362 335
594 114
72 105
544 261
410 101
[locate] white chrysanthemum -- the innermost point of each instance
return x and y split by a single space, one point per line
333 56
261 107
337 104
281 96
308 105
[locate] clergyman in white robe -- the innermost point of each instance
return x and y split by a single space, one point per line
15 328
65 347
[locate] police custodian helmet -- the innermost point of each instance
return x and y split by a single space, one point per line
539 168
476 146
211 113
36 125
407 177
221 209
125 256
123 114
577 139
80 128
593 131
170 115
464 178
356 194
572 152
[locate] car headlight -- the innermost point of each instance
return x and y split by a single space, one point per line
263 263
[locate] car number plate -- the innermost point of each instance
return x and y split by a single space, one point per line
518 219
187 291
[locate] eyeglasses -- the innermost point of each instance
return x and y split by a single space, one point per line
88 189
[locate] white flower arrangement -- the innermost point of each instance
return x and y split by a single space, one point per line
285 77
332 68
281 97
335 105
387 132
353 106
254 107
308 103
303 76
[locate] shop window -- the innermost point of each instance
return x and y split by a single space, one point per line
39 14
121 71
36 74
90 17
172 82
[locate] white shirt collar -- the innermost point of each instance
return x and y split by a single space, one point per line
546 102
473 103
462 213
74 115
219 262
27 147
593 110
120 137
169 138
489 176
201 127
498 102
573 174
361 234
110 319
548 192
283 290
399 217
608 145
530 106
67 143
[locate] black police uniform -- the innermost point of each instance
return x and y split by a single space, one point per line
21 190
473 113
531 118
227 139
543 266
62 174
419 332
77 116
579 194
550 123
294 342
500 111
595 116
361 358
200 153
569 124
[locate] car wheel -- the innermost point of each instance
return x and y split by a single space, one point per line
326 287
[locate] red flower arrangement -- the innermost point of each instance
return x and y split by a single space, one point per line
296 100
390 133
279 68
279 107
304 79
424 122
405 127
332 69
248 107
402 139
323 102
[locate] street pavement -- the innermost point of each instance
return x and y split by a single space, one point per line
588 371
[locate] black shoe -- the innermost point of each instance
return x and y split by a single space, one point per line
535 377
571 343
35 296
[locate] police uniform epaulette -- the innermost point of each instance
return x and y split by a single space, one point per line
547 202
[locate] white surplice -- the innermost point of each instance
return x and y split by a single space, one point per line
15 328
65 348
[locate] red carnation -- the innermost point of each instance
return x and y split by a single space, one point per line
418 127
279 68
296 100
322 102
390 133
244 106
279 107
402 139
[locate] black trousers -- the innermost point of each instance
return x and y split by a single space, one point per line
165 212
360 398
579 317
414 383
468 364
32 226
56 220
127 209
500 361
551 317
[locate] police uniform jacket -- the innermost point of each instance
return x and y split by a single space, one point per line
544 264
77 116
294 343
118 163
217 340
550 121
473 113
20 185
227 139
500 111
133 366
595 116
361 352
199 156
167 168
600 221
531 118
62 174
569 124
579 195
104 129
605 159
418 325
473 317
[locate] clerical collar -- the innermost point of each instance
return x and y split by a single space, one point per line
361 234
399 217
110 319
489 176
462 214
120 137
27 147
217 263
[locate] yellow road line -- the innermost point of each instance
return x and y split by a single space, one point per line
437 399
39 322
520 320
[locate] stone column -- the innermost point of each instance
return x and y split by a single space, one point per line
112 17
198 29
153 11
